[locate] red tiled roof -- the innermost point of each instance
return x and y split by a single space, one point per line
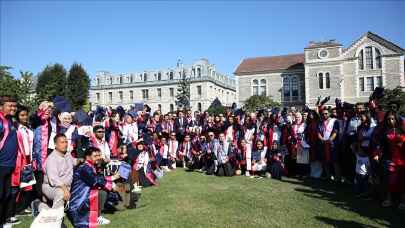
272 63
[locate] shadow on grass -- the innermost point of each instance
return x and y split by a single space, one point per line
342 196
342 223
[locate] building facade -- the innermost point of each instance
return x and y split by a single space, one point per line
324 69
158 88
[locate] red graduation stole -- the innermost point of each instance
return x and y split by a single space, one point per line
6 129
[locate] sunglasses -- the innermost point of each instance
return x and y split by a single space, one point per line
325 113
100 131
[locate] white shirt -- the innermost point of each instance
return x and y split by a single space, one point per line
362 165
27 137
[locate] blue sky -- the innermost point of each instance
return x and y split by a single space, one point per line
130 36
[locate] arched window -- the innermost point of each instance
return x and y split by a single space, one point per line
255 88
120 79
145 77
199 107
286 88
294 88
291 88
327 80
377 58
320 80
98 81
171 75
199 72
370 58
159 76
263 86
361 63
324 80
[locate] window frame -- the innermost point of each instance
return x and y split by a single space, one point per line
259 87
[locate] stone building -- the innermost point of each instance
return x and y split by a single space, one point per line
158 88
324 69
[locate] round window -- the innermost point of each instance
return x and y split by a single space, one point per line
323 53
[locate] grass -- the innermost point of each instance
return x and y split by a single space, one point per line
190 199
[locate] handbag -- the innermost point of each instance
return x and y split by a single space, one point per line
27 176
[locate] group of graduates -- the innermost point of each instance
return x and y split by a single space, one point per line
71 155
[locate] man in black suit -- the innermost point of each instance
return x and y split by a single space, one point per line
180 126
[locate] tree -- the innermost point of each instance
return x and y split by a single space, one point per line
77 86
183 93
393 96
25 93
216 107
8 85
51 82
256 102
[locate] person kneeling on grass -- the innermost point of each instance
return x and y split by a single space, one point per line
88 192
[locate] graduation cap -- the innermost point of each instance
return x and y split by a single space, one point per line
238 112
62 104
338 103
275 110
378 93
120 111
99 113
147 108
306 108
348 106
133 113
325 100
82 118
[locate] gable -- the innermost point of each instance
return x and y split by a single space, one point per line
370 39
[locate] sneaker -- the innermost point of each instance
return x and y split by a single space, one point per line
34 207
137 188
24 212
386 203
103 221
268 175
13 221
7 225
247 174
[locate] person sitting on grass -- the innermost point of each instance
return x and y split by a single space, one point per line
88 192
259 159
275 166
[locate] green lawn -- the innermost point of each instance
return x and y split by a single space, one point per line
190 199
